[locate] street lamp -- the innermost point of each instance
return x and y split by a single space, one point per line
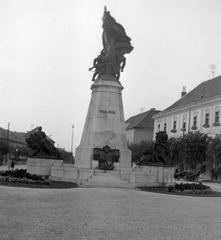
16 155
72 136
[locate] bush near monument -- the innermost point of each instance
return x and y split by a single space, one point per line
21 176
187 175
187 152
190 188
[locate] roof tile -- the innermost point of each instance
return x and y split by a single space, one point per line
205 90
142 120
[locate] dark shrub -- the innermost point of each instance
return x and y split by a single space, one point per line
22 174
189 188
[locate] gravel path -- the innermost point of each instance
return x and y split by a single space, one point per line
105 213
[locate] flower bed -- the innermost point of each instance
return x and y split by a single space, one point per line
21 176
190 188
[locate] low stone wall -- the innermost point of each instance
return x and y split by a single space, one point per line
140 176
41 166
153 175
68 173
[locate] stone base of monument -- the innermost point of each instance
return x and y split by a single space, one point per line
41 166
141 176
85 154
153 175
104 125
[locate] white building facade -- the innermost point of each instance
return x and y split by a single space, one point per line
198 110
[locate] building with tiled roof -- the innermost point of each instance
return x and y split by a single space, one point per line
140 127
14 140
199 109
17 139
27 134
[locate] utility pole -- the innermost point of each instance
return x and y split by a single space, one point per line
72 137
6 156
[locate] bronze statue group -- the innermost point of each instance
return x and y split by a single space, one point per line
116 44
42 146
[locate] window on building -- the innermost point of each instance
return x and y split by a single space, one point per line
184 126
165 127
217 117
174 125
158 129
207 119
194 121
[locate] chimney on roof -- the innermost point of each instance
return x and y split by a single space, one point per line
183 93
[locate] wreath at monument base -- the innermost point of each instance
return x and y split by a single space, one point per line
105 165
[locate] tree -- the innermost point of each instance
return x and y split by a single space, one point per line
194 147
137 149
21 151
177 154
4 148
67 156
214 150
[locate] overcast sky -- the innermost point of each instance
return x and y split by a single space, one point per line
47 47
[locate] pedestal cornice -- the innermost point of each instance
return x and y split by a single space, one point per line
107 83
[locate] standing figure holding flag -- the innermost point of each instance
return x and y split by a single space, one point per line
116 44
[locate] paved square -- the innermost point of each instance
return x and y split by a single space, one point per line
105 213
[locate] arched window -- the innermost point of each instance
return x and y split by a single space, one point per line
207 118
216 116
195 115
174 124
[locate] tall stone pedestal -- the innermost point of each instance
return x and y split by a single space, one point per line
104 124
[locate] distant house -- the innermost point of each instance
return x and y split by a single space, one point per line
141 127
199 109
17 143
14 139
17 139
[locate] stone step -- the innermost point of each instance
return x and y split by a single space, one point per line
99 180
68 165
106 178
62 179
106 173
100 184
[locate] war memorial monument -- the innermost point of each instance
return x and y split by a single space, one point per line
103 157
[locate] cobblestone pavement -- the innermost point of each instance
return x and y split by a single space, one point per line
106 213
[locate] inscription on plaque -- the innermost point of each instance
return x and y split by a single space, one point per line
105 111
